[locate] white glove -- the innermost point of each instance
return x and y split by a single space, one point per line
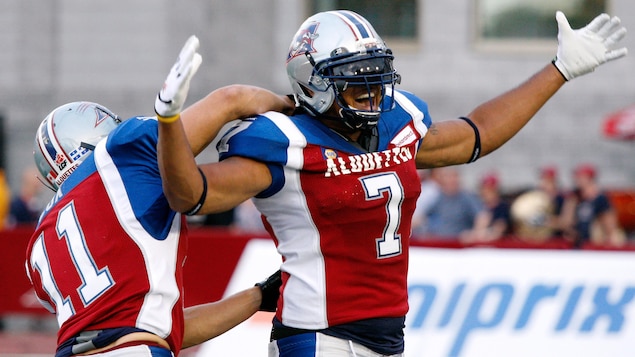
581 51
172 95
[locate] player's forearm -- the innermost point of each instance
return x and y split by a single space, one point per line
182 184
204 322
501 118
181 140
232 181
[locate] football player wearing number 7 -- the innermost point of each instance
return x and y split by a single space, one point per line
337 184
108 252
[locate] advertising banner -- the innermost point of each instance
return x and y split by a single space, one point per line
485 302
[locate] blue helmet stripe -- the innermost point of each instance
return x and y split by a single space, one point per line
355 21
48 143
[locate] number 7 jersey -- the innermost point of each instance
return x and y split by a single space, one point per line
340 216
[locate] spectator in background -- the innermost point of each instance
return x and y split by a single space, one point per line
536 214
430 192
495 222
456 210
588 212
5 199
549 184
25 206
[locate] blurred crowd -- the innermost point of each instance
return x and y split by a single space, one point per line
582 215
21 205
586 213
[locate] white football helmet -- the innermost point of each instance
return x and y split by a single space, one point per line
67 136
333 50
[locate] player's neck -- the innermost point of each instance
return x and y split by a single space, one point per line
340 128
367 140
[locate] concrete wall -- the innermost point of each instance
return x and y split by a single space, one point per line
118 52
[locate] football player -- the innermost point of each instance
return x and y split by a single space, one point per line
108 251
337 184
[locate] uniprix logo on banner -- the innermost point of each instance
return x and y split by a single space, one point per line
520 303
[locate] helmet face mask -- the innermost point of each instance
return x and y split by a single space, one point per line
67 136
372 71
333 51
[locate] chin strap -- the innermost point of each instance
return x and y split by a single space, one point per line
369 139
350 117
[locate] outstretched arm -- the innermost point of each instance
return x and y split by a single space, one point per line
452 142
206 321
498 120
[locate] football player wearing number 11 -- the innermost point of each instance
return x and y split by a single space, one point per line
337 183
108 252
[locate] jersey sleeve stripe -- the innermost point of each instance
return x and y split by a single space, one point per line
297 140
417 115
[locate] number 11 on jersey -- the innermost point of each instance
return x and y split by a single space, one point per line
95 281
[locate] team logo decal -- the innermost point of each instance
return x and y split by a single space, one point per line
101 116
78 153
405 137
51 176
60 161
303 42
330 154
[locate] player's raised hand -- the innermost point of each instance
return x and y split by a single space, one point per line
581 51
172 95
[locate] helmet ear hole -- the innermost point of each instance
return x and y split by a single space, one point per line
306 91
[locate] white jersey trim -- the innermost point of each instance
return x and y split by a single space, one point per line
298 239
416 114
160 255
297 140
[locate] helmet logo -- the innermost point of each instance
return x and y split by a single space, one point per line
101 116
303 41
60 161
